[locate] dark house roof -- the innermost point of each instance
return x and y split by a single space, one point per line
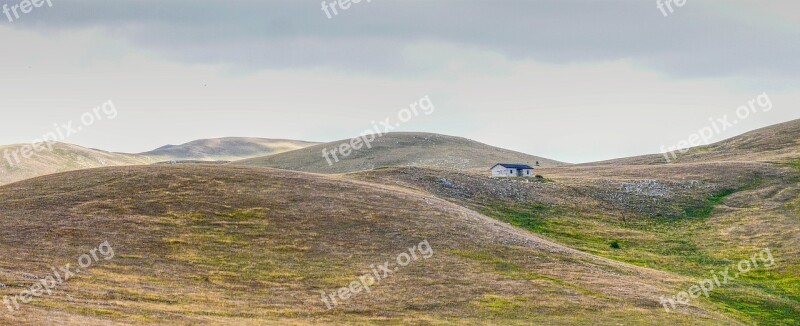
514 166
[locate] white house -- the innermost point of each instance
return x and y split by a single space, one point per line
512 170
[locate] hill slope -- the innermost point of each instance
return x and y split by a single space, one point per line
780 142
225 149
63 157
399 149
236 245
688 219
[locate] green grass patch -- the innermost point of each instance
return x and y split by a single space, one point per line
530 217
498 305
705 209
664 243
795 164
755 307
761 297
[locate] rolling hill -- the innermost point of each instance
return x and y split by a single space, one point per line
714 206
231 245
241 244
399 149
68 157
689 219
225 149
63 157
776 143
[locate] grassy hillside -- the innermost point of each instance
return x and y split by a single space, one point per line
252 246
225 149
687 219
63 157
777 143
244 244
399 149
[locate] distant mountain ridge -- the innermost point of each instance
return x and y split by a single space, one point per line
68 157
225 149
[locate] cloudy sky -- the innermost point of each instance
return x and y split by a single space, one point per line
575 81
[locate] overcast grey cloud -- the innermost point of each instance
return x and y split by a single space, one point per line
701 39
596 79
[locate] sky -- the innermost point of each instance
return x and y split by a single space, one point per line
575 81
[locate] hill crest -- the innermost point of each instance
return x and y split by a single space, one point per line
227 148
398 149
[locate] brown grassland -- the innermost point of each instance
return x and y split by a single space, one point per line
235 245
247 244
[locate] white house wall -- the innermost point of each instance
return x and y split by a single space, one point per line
500 171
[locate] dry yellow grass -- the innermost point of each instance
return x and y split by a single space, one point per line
232 245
